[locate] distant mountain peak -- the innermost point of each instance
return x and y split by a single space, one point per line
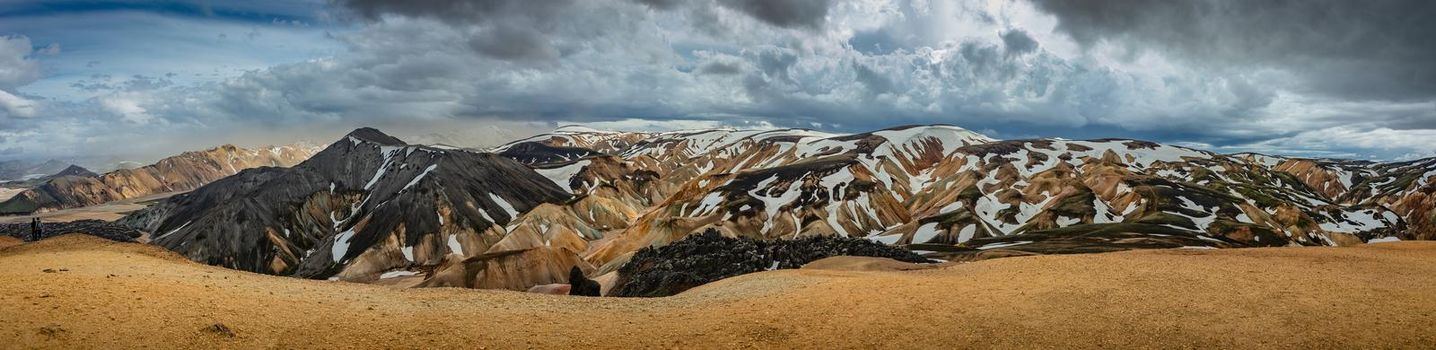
374 135
76 170
582 129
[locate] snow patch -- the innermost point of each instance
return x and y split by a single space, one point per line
454 245
341 245
397 274
508 208
925 233
563 175
420 177
1384 240
1002 245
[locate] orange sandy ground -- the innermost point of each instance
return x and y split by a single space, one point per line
118 295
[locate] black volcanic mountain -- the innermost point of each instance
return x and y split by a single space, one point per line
75 170
367 204
535 153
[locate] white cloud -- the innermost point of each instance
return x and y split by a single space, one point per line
127 107
16 66
15 106
1376 142
17 69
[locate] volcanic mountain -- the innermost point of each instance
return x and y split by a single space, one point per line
960 195
77 187
371 207
364 206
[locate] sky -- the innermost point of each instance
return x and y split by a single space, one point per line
142 79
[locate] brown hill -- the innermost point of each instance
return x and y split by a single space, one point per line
179 173
117 295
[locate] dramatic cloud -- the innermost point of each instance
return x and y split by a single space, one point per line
1272 76
1018 42
1379 49
783 13
18 69
461 11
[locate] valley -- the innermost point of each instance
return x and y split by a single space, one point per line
109 211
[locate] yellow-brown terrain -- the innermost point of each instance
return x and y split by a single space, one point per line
81 292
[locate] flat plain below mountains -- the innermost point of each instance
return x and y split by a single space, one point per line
82 292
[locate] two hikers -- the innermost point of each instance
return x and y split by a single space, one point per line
37 229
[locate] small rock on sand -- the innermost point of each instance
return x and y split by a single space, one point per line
219 329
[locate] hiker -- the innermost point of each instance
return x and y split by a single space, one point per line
37 230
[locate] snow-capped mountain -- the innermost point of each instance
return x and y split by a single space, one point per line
371 207
365 205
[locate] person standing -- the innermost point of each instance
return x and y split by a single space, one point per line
37 230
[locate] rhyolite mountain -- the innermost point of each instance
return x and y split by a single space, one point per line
76 187
591 198
959 195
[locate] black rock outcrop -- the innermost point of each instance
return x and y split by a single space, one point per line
580 285
98 228
708 257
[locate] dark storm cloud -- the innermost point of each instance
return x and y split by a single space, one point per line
1381 49
845 65
514 44
1018 42
660 4
463 11
810 14
512 30
720 68
783 13
526 31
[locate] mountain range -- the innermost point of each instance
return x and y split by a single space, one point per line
76 187
370 207
17 170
